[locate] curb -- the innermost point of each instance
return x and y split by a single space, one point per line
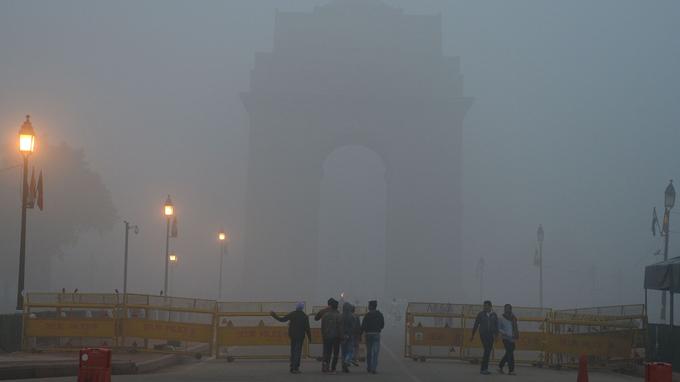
156 364
50 369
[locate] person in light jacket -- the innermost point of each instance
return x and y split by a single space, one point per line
507 326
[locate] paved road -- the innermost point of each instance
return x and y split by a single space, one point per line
393 368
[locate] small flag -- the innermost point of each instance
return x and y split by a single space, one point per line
655 221
39 191
173 231
30 202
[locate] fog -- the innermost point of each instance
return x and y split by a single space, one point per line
573 124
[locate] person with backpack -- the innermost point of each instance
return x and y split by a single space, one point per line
487 323
331 331
298 327
372 325
348 327
507 326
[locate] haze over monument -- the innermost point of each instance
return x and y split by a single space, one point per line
355 73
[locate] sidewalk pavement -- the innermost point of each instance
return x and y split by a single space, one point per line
22 365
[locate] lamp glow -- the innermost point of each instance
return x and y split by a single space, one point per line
26 137
168 208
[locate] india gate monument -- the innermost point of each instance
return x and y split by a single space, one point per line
355 72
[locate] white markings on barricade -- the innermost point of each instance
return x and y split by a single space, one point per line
400 361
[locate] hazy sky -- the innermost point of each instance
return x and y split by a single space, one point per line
575 125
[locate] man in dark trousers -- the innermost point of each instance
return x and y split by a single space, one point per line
297 329
371 326
487 323
331 330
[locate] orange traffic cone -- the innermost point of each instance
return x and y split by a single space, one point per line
582 369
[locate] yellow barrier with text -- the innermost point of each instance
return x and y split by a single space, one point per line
247 330
435 330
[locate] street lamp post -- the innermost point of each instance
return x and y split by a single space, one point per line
26 147
539 237
669 202
128 227
223 237
169 212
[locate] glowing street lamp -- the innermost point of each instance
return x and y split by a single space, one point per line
173 258
26 147
223 238
168 208
26 137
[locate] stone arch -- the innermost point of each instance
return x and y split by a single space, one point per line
355 73
352 225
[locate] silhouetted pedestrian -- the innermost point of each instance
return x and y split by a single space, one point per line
487 323
356 337
298 327
348 327
507 326
371 326
331 330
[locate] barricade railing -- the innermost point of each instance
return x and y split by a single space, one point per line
546 337
167 324
68 321
60 321
606 334
247 330
435 330
137 322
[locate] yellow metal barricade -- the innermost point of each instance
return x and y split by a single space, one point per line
64 321
605 334
436 330
433 329
530 347
247 330
546 337
70 321
167 324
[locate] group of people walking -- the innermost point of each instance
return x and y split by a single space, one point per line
341 332
490 326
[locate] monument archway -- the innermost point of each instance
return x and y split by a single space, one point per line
351 246
355 73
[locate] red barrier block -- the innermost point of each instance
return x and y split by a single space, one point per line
582 369
94 365
658 372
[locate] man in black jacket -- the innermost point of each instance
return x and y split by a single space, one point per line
331 331
372 325
487 323
297 329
